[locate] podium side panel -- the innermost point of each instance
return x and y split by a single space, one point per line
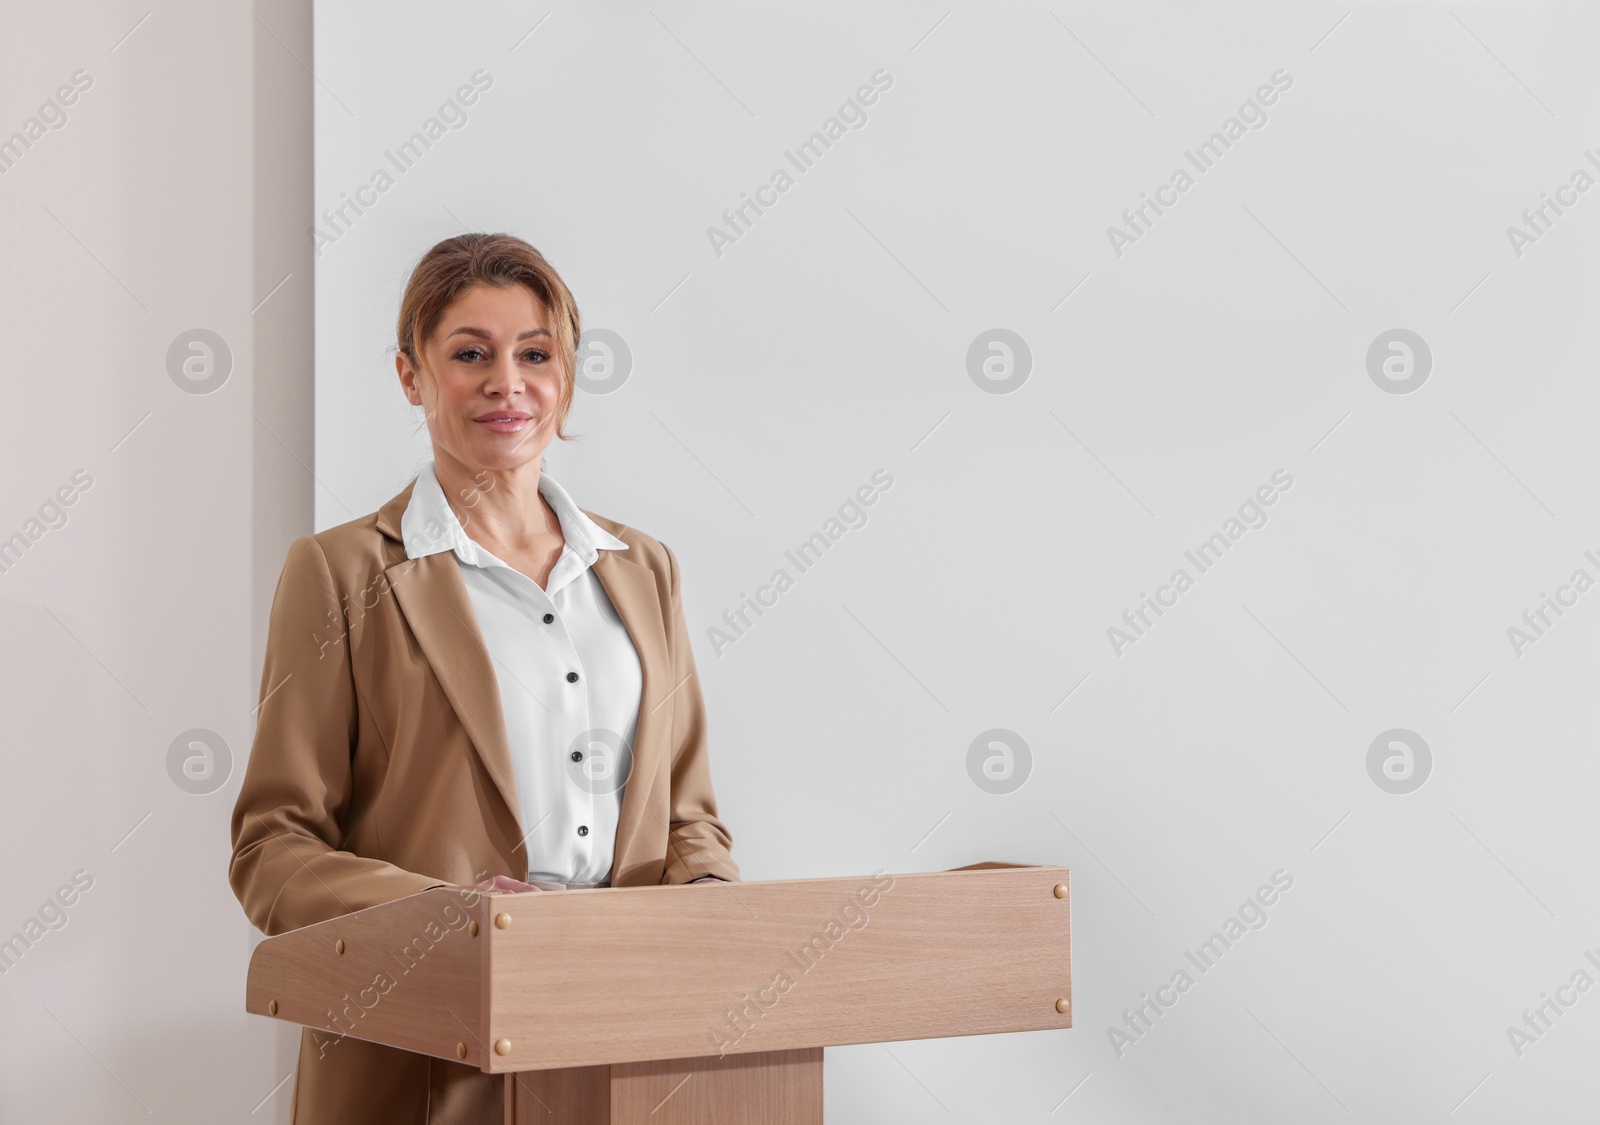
406 973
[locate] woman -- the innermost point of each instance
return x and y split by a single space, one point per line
477 685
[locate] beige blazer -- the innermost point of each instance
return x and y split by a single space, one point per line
380 768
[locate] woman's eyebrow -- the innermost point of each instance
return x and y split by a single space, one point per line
466 330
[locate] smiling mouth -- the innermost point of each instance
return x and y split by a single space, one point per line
505 423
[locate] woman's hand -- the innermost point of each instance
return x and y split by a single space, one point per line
504 884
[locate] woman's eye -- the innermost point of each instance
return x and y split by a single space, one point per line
473 354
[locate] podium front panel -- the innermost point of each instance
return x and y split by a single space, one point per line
581 978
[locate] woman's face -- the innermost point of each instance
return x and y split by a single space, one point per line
491 379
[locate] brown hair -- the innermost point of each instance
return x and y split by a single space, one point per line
458 263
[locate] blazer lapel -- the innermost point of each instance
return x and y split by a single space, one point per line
434 599
632 590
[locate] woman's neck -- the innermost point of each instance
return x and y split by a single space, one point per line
499 508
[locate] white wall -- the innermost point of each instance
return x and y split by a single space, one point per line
1228 344
1229 742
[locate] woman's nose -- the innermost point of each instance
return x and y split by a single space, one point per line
505 376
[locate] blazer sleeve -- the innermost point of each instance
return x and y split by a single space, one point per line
697 841
288 869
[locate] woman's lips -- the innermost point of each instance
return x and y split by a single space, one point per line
504 425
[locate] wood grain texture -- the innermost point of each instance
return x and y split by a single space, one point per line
639 974
410 975
779 1086
646 973
579 1095
751 1089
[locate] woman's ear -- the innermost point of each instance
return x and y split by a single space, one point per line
408 378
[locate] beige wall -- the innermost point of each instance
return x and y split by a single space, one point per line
172 198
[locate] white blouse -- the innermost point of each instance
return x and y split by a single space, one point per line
568 675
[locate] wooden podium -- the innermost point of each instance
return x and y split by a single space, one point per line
680 1005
